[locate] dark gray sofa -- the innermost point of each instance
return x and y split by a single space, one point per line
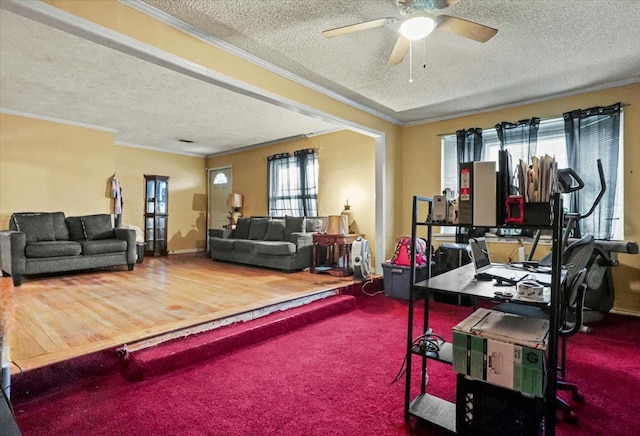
49 242
280 243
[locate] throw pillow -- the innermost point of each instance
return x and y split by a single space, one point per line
36 227
242 228
314 224
97 226
258 228
59 227
293 224
275 231
74 225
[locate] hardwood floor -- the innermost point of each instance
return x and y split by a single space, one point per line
54 318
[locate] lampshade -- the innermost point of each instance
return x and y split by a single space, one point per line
234 200
417 26
337 225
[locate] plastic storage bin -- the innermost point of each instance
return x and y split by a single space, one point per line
397 280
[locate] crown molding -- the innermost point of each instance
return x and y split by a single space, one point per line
197 33
56 120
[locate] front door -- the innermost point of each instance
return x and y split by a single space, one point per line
220 186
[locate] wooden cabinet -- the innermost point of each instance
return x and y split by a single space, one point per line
156 215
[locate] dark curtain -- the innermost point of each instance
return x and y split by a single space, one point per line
593 134
522 136
469 145
292 183
307 165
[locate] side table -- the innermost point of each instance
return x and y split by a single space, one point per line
338 254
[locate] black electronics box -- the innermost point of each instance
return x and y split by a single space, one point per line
486 409
450 256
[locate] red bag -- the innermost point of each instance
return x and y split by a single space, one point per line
401 254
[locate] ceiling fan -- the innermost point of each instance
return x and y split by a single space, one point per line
416 23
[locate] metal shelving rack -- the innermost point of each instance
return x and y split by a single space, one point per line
435 410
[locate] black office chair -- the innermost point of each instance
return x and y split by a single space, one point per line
575 259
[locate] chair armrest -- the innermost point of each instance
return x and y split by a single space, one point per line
12 252
128 235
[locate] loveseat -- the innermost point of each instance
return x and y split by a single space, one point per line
281 243
49 242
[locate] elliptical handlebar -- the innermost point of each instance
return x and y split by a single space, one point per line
603 189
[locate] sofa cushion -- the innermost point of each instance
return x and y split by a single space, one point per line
275 248
258 228
244 246
314 224
103 246
275 231
59 226
74 226
222 244
52 249
36 226
293 224
242 228
97 226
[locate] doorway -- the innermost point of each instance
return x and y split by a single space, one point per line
220 185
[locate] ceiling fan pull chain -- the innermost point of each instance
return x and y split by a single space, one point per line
411 62
424 53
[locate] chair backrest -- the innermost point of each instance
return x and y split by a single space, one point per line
573 304
577 256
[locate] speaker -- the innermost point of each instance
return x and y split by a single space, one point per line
450 256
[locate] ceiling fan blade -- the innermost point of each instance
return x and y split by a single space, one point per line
441 4
465 28
357 27
399 50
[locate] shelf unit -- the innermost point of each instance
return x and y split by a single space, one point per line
437 411
156 214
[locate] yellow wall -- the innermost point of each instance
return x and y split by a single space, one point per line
125 20
421 166
48 166
411 155
345 159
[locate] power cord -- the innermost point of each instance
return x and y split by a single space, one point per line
6 388
427 344
370 294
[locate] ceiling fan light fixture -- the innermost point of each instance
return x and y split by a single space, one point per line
417 26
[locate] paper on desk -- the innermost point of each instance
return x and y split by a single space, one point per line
531 332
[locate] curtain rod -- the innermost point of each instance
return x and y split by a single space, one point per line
541 119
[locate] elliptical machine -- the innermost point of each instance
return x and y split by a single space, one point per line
600 293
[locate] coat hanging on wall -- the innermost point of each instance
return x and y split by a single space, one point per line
118 203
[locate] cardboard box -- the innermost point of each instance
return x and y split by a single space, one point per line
502 349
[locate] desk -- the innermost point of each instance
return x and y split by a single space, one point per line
337 250
462 281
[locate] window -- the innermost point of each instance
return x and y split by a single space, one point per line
220 179
551 141
293 184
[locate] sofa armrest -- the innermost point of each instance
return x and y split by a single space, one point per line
301 239
128 235
12 252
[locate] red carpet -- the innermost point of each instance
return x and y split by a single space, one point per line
331 377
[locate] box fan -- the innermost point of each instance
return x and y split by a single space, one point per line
361 256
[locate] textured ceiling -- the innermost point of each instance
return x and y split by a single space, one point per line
543 49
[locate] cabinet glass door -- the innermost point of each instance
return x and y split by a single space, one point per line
156 214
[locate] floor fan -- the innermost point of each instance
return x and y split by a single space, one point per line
361 256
